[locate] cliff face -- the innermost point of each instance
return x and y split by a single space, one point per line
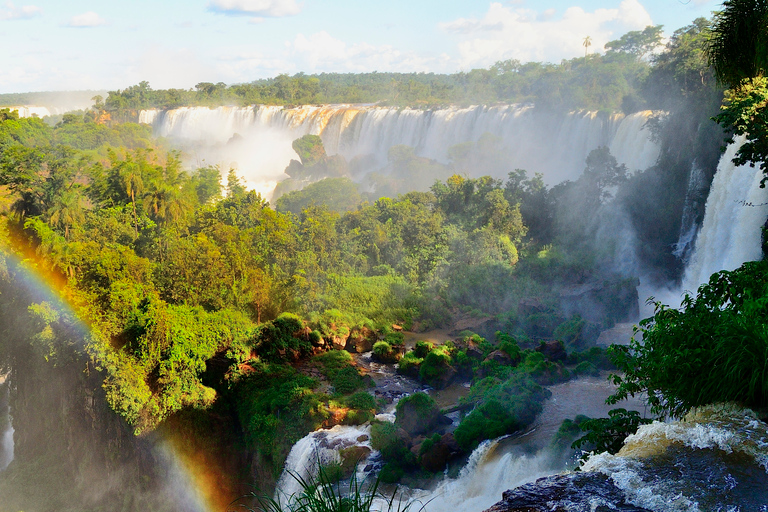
71 452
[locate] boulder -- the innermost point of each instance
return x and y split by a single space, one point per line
573 492
553 350
361 340
500 357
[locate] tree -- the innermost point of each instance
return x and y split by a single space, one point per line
67 210
738 46
637 42
586 44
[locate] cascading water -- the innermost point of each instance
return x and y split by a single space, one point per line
713 460
322 448
689 224
736 209
6 427
257 140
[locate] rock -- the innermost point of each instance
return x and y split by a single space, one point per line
473 350
397 328
435 458
500 357
363 438
417 414
574 492
339 341
445 378
361 340
449 441
553 350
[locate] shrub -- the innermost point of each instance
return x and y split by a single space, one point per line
713 349
361 400
422 348
608 434
409 364
435 364
337 367
502 407
383 352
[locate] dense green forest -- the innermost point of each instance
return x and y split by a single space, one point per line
612 81
210 311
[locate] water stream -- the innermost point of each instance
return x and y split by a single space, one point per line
6 426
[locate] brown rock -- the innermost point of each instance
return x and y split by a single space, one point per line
553 350
500 357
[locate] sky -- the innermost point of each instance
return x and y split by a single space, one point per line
52 45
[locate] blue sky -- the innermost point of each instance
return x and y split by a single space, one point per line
80 44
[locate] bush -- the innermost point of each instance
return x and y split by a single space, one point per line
435 365
409 364
384 353
337 367
422 348
417 413
361 400
608 434
503 407
713 349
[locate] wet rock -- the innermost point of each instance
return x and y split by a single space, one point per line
574 492
363 438
449 441
553 350
418 414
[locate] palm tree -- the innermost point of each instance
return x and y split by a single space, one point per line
67 210
586 44
738 45
131 180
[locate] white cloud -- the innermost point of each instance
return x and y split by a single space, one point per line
86 20
508 32
25 12
255 8
166 68
323 52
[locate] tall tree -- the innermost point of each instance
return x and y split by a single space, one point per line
738 46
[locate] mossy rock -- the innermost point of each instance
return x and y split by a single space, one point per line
418 414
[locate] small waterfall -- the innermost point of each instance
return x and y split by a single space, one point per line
715 459
689 224
735 211
6 427
32 110
554 144
322 448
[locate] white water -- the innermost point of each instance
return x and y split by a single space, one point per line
555 145
719 454
735 211
320 448
6 433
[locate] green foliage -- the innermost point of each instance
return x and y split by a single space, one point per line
608 434
421 402
718 333
361 400
338 368
309 148
276 407
323 494
738 44
337 194
281 340
745 114
409 364
422 348
435 364
385 353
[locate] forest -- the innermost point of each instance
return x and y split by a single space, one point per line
190 303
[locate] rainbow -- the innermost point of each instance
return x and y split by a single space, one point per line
193 478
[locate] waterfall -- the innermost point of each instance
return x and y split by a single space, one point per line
735 211
322 448
31 110
689 223
6 427
714 459
257 140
